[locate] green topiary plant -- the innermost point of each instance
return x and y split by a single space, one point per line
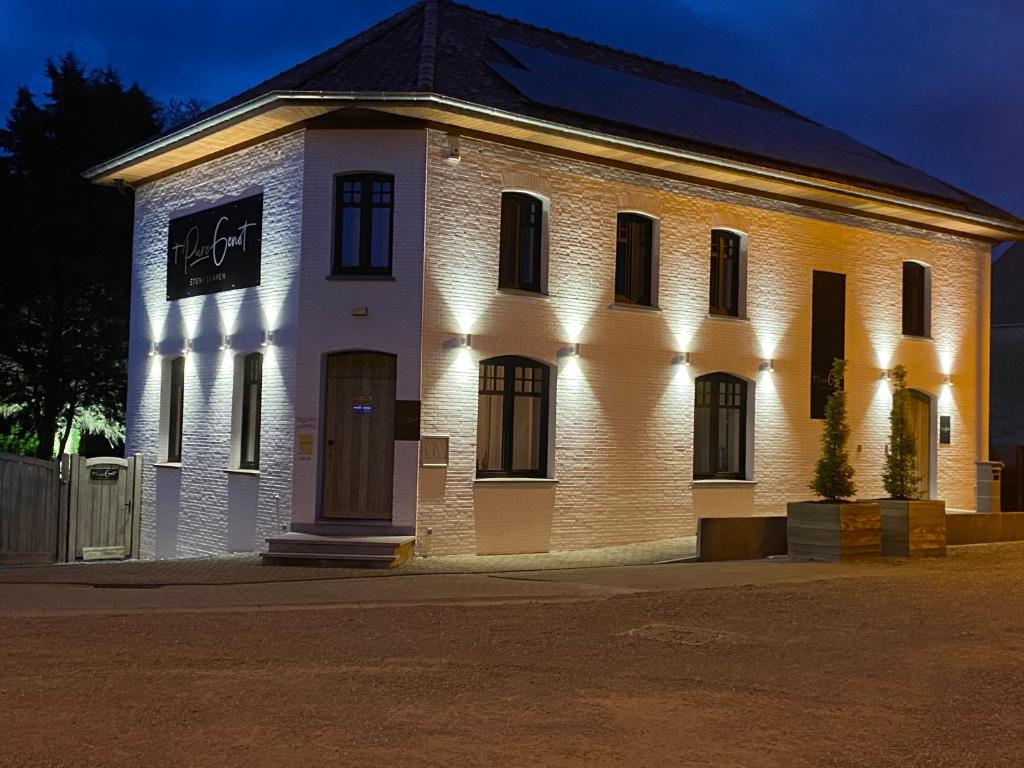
833 475
899 476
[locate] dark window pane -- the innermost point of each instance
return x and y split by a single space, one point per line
350 226
633 258
914 310
489 433
719 427
252 393
724 284
365 208
176 409
380 243
526 437
521 232
512 418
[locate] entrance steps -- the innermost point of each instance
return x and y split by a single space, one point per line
374 551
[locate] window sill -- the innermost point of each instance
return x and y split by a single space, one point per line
728 318
167 464
619 306
362 278
254 472
714 484
915 337
513 481
521 293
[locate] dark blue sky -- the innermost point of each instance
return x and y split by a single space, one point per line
936 83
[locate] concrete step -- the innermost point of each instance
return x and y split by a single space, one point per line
327 559
354 528
339 550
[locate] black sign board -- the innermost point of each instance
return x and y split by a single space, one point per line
215 250
103 473
944 427
407 420
828 334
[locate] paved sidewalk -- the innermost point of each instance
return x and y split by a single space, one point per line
247 569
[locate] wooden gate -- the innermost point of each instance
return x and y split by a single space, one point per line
33 511
103 519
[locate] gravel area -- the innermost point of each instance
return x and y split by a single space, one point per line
905 664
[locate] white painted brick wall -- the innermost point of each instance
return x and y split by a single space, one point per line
624 414
199 509
392 324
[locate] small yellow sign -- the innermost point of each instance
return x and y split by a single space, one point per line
305 446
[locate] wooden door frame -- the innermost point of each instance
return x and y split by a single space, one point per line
321 444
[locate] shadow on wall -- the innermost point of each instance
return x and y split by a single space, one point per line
168 510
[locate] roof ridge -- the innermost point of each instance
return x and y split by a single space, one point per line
428 48
631 54
328 58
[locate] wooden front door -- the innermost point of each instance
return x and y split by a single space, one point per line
920 406
359 435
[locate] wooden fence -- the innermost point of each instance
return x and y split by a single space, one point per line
58 511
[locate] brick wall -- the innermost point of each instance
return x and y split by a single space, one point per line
200 509
623 413
393 307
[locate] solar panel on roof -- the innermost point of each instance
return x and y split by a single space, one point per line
591 89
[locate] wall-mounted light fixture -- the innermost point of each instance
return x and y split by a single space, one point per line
570 350
225 342
948 381
152 349
886 375
186 346
268 339
465 341
454 153
683 358
768 366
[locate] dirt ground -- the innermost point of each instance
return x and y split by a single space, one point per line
907 664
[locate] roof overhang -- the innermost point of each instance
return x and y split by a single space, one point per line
280 111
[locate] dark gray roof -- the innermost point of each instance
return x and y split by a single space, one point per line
450 49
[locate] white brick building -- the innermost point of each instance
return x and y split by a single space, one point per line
451 190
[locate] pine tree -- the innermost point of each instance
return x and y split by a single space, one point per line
833 475
899 476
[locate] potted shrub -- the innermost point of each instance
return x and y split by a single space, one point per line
911 526
834 528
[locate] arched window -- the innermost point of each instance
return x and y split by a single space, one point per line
175 408
725 273
634 259
720 427
917 292
522 230
252 396
512 418
363 223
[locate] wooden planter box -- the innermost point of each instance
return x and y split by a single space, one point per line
913 528
849 531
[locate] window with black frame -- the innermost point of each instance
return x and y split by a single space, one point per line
915 299
252 395
634 259
520 259
512 418
363 224
719 427
175 409
725 273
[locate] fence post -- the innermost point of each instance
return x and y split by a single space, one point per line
135 468
62 483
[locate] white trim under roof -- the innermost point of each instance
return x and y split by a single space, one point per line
279 111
